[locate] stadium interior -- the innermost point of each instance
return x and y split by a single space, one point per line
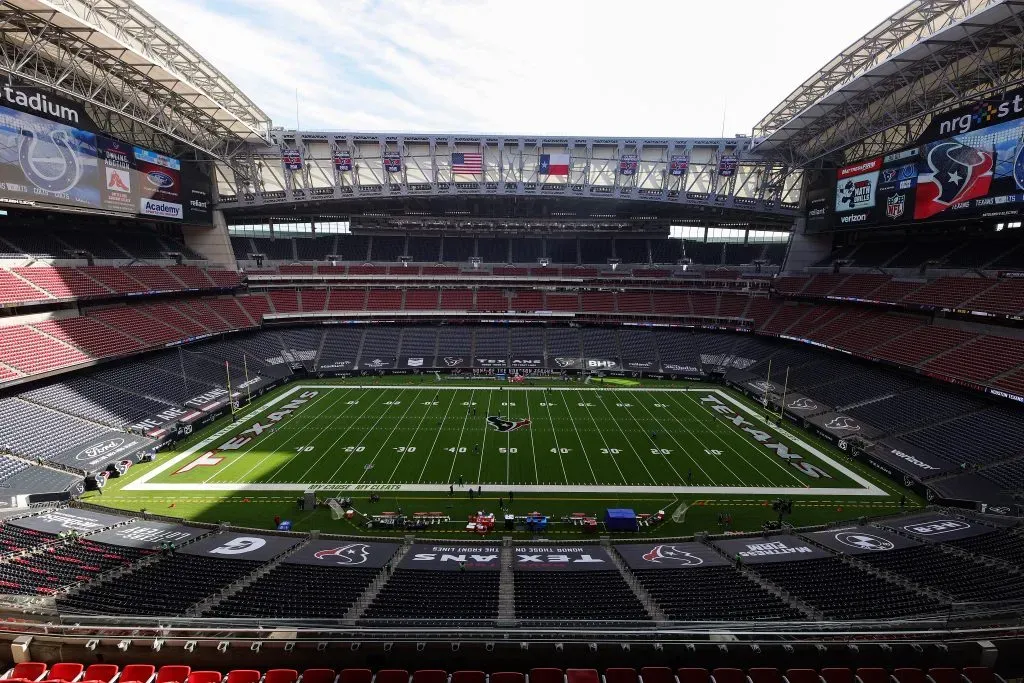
873 322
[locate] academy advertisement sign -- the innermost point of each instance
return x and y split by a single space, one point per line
452 558
679 555
784 548
344 553
238 546
562 558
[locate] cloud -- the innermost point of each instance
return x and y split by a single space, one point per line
584 67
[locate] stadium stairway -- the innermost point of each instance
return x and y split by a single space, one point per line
507 589
205 606
359 607
649 603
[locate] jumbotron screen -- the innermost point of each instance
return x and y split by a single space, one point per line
52 154
968 163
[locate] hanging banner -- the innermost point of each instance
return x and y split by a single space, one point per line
342 160
727 166
291 159
628 164
392 162
678 164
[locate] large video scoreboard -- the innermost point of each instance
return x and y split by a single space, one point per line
968 163
53 155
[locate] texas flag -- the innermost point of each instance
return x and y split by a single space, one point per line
554 164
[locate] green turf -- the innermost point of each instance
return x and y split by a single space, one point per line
410 438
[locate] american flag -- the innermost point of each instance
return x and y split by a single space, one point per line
467 163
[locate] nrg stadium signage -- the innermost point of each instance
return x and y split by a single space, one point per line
764 438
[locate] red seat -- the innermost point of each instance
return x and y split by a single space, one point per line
392 676
909 675
173 673
244 676
508 677
802 676
320 675
137 673
469 677
429 676
837 674
582 676
622 675
944 674
28 671
765 674
980 674
281 676
100 673
355 676
693 675
728 675
872 675
657 674
65 671
205 677
546 676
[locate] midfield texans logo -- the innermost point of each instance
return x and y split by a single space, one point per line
670 554
500 424
353 553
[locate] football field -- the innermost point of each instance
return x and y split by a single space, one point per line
430 437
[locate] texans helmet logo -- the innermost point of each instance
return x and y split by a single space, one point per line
452 361
956 174
500 424
671 554
353 553
842 424
803 404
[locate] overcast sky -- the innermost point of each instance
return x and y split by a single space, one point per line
583 67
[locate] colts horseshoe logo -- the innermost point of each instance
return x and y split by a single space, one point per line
51 165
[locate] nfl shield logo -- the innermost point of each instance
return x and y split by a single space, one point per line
895 205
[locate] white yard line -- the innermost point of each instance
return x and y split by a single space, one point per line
554 432
483 444
327 451
583 449
681 446
455 456
416 431
434 444
604 440
533 445
600 399
385 442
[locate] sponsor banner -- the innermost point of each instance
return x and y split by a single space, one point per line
628 164
562 558
843 426
453 362
160 209
640 364
377 363
525 362
727 166
978 114
784 548
600 364
416 362
489 362
43 104
678 164
392 162
452 558
118 162
936 527
103 450
148 535
861 540
336 364
817 208
909 459
857 184
344 553
239 546
669 556
68 519
681 369
804 406
342 160
566 363
196 196
291 159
